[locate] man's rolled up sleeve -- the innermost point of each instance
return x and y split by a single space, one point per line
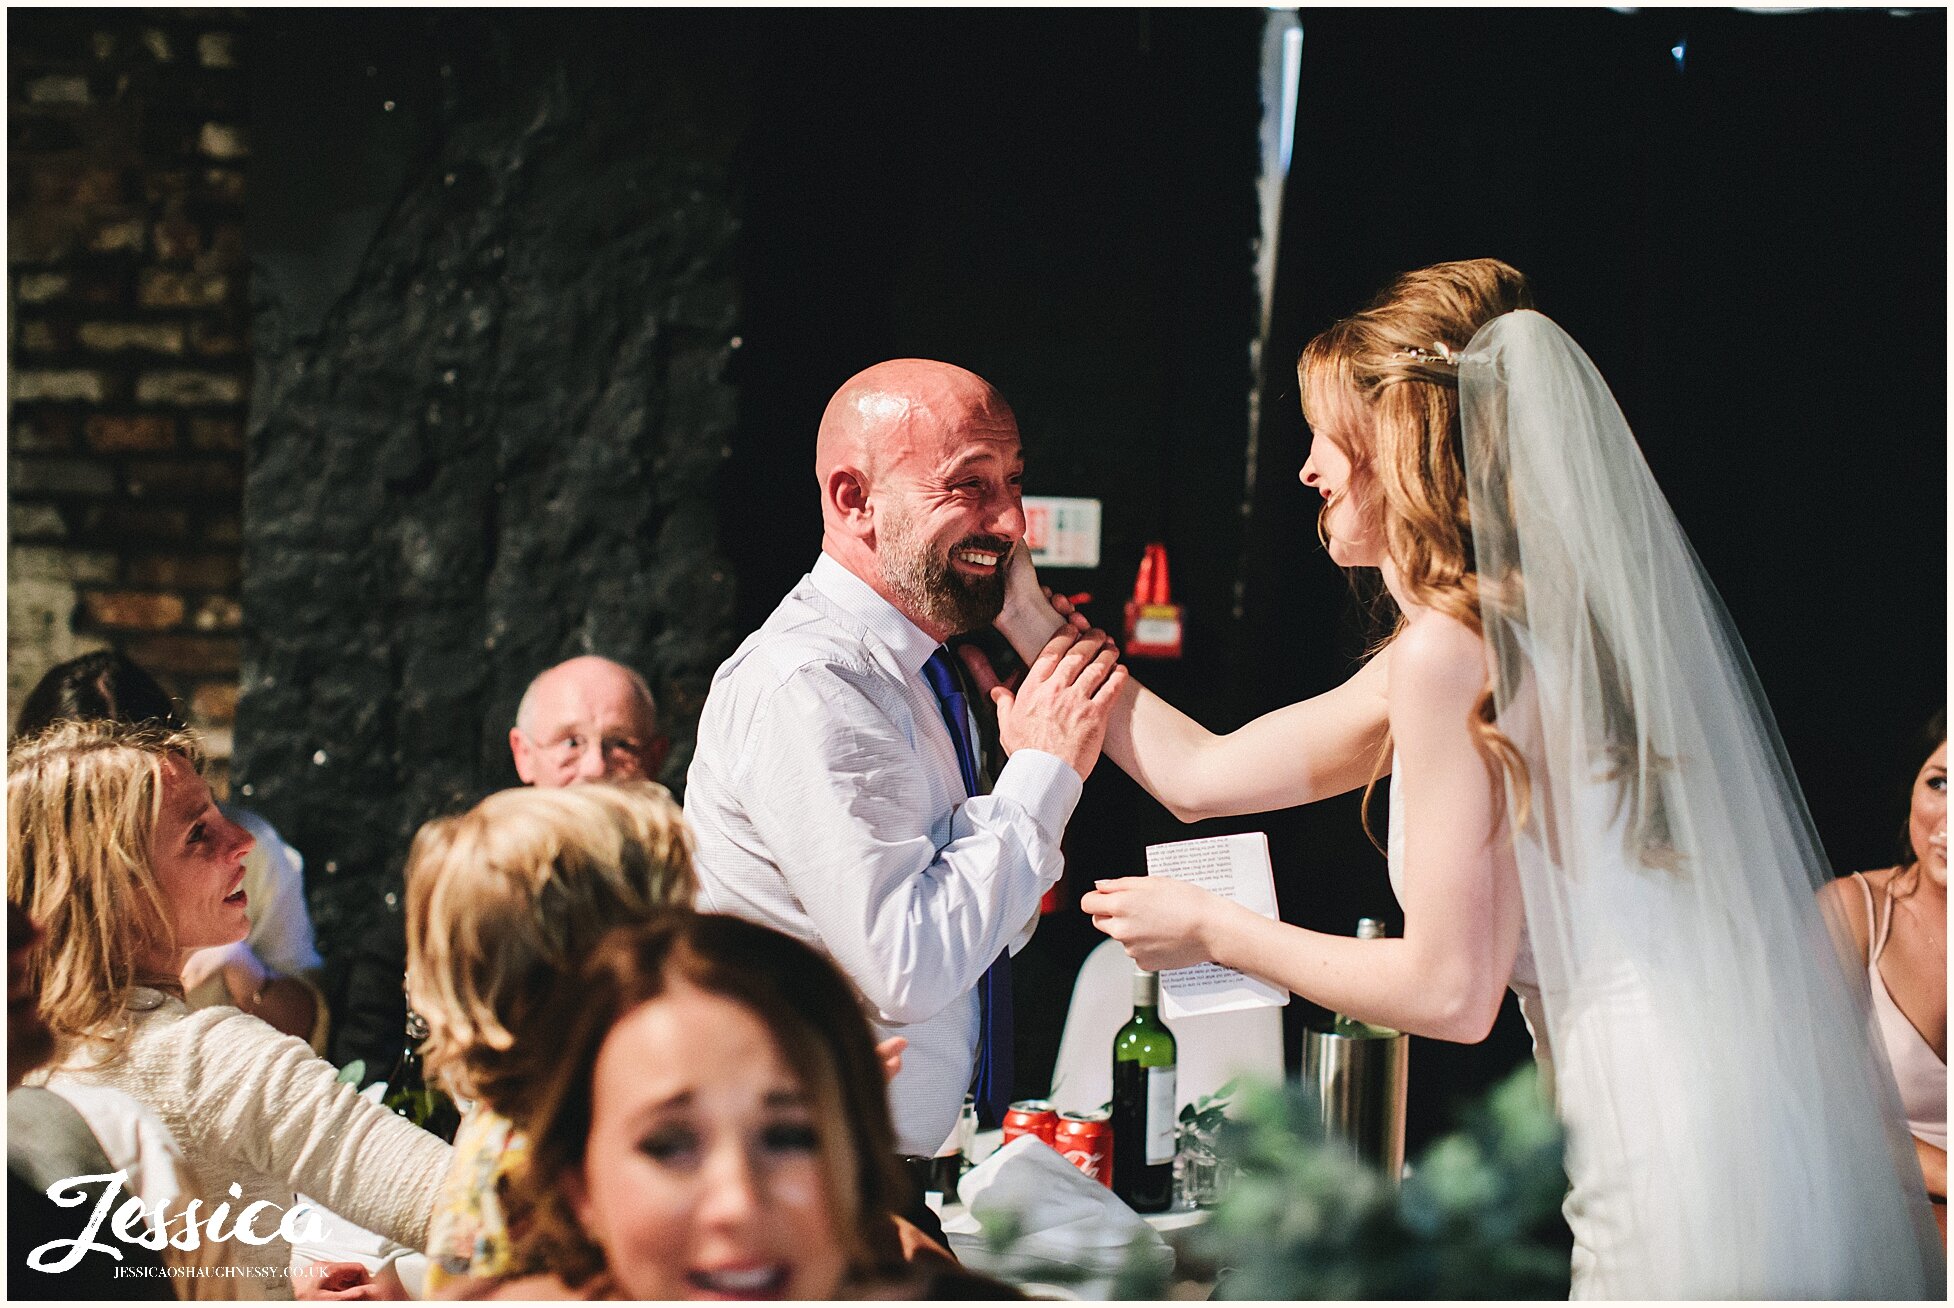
835 787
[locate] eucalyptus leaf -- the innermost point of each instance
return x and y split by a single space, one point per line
1304 1218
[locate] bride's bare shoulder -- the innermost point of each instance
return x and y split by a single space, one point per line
1438 655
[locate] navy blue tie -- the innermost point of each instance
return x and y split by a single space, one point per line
993 1084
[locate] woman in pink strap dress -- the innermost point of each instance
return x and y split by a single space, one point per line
1899 920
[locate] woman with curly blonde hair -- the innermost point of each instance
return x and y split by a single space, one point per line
503 901
116 847
1589 805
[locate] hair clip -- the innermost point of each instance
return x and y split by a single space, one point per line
1440 353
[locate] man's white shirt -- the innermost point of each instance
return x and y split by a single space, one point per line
826 802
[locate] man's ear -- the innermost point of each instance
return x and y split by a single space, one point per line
519 751
847 492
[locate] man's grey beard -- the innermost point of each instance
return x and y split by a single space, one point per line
931 587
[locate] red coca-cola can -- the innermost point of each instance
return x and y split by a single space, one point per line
1032 1117
1087 1140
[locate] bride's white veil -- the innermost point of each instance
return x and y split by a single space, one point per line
1690 984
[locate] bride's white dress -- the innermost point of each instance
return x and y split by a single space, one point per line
1616 1163
1651 1214
1732 1131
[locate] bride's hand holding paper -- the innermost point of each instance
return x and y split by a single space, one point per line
1163 923
1173 920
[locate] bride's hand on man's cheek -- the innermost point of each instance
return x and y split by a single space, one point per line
1023 591
1021 578
1161 922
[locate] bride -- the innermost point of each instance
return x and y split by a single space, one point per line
1589 805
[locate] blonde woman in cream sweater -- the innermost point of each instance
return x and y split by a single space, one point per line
116 847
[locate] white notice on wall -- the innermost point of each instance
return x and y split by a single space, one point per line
1062 532
1237 868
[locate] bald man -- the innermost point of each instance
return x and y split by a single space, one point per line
835 794
586 719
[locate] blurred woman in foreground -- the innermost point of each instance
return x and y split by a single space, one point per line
716 1127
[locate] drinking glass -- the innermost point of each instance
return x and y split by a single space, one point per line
1197 1168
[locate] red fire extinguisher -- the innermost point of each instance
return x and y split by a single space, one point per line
1153 620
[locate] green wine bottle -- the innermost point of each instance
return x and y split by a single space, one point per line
1368 928
408 1093
1145 1066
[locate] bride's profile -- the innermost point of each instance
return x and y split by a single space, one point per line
1589 804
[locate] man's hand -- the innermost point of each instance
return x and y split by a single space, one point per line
1066 609
1062 703
243 973
347 1280
284 1002
890 1052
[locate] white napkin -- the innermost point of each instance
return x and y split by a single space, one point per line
1064 1217
342 1242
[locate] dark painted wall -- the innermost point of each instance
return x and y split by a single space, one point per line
495 304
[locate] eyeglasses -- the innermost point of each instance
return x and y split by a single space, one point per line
615 749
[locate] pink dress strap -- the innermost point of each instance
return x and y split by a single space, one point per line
1872 918
1919 1071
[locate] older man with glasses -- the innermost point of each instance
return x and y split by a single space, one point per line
587 719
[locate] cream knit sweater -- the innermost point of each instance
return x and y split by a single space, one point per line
260 1110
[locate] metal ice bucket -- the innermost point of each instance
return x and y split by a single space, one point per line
1361 1082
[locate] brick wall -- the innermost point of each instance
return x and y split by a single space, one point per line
128 349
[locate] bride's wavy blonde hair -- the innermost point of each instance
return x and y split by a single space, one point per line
1381 385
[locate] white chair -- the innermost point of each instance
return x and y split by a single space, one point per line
1212 1049
1102 1000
